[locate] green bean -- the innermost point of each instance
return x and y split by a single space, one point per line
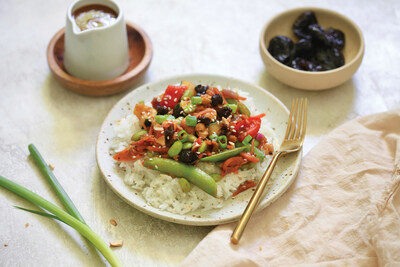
217 177
183 136
185 185
248 166
213 137
187 146
225 154
138 135
222 141
243 109
194 175
175 149
202 147
192 138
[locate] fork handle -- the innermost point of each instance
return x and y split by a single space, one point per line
254 201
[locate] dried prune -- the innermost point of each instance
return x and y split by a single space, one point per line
169 134
216 100
303 64
300 26
316 50
280 47
204 119
162 110
178 111
302 48
187 156
336 37
224 112
318 35
329 58
200 89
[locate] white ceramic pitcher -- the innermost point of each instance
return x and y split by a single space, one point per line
96 54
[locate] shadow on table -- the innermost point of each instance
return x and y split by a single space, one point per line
146 239
327 108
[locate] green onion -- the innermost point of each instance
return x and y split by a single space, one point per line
247 140
161 118
82 228
141 102
175 149
213 137
196 100
256 143
191 120
138 135
183 136
51 178
257 152
222 141
232 106
189 108
187 93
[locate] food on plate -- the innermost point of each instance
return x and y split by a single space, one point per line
317 49
192 147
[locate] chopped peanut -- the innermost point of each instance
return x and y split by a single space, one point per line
117 243
113 222
201 130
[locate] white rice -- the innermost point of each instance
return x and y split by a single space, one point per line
163 191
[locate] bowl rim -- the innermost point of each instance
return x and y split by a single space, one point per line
347 65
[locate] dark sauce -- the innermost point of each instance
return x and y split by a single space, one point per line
94 16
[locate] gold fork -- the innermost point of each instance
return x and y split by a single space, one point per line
293 141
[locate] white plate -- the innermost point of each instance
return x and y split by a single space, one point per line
275 111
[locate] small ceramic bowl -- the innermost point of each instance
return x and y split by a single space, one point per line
353 50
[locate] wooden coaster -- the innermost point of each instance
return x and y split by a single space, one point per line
140 54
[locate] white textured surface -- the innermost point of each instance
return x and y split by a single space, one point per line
219 37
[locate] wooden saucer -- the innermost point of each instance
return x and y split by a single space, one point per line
140 54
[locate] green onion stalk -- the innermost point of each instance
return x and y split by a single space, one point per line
51 178
82 228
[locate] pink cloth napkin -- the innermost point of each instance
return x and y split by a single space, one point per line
342 210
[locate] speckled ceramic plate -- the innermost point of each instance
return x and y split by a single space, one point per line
276 112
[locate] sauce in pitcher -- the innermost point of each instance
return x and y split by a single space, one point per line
94 16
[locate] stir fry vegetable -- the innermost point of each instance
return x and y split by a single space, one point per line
190 123
192 174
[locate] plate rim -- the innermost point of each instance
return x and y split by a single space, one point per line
182 218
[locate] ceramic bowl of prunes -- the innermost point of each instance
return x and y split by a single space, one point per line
311 48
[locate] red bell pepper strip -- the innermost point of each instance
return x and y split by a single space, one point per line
244 186
170 98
